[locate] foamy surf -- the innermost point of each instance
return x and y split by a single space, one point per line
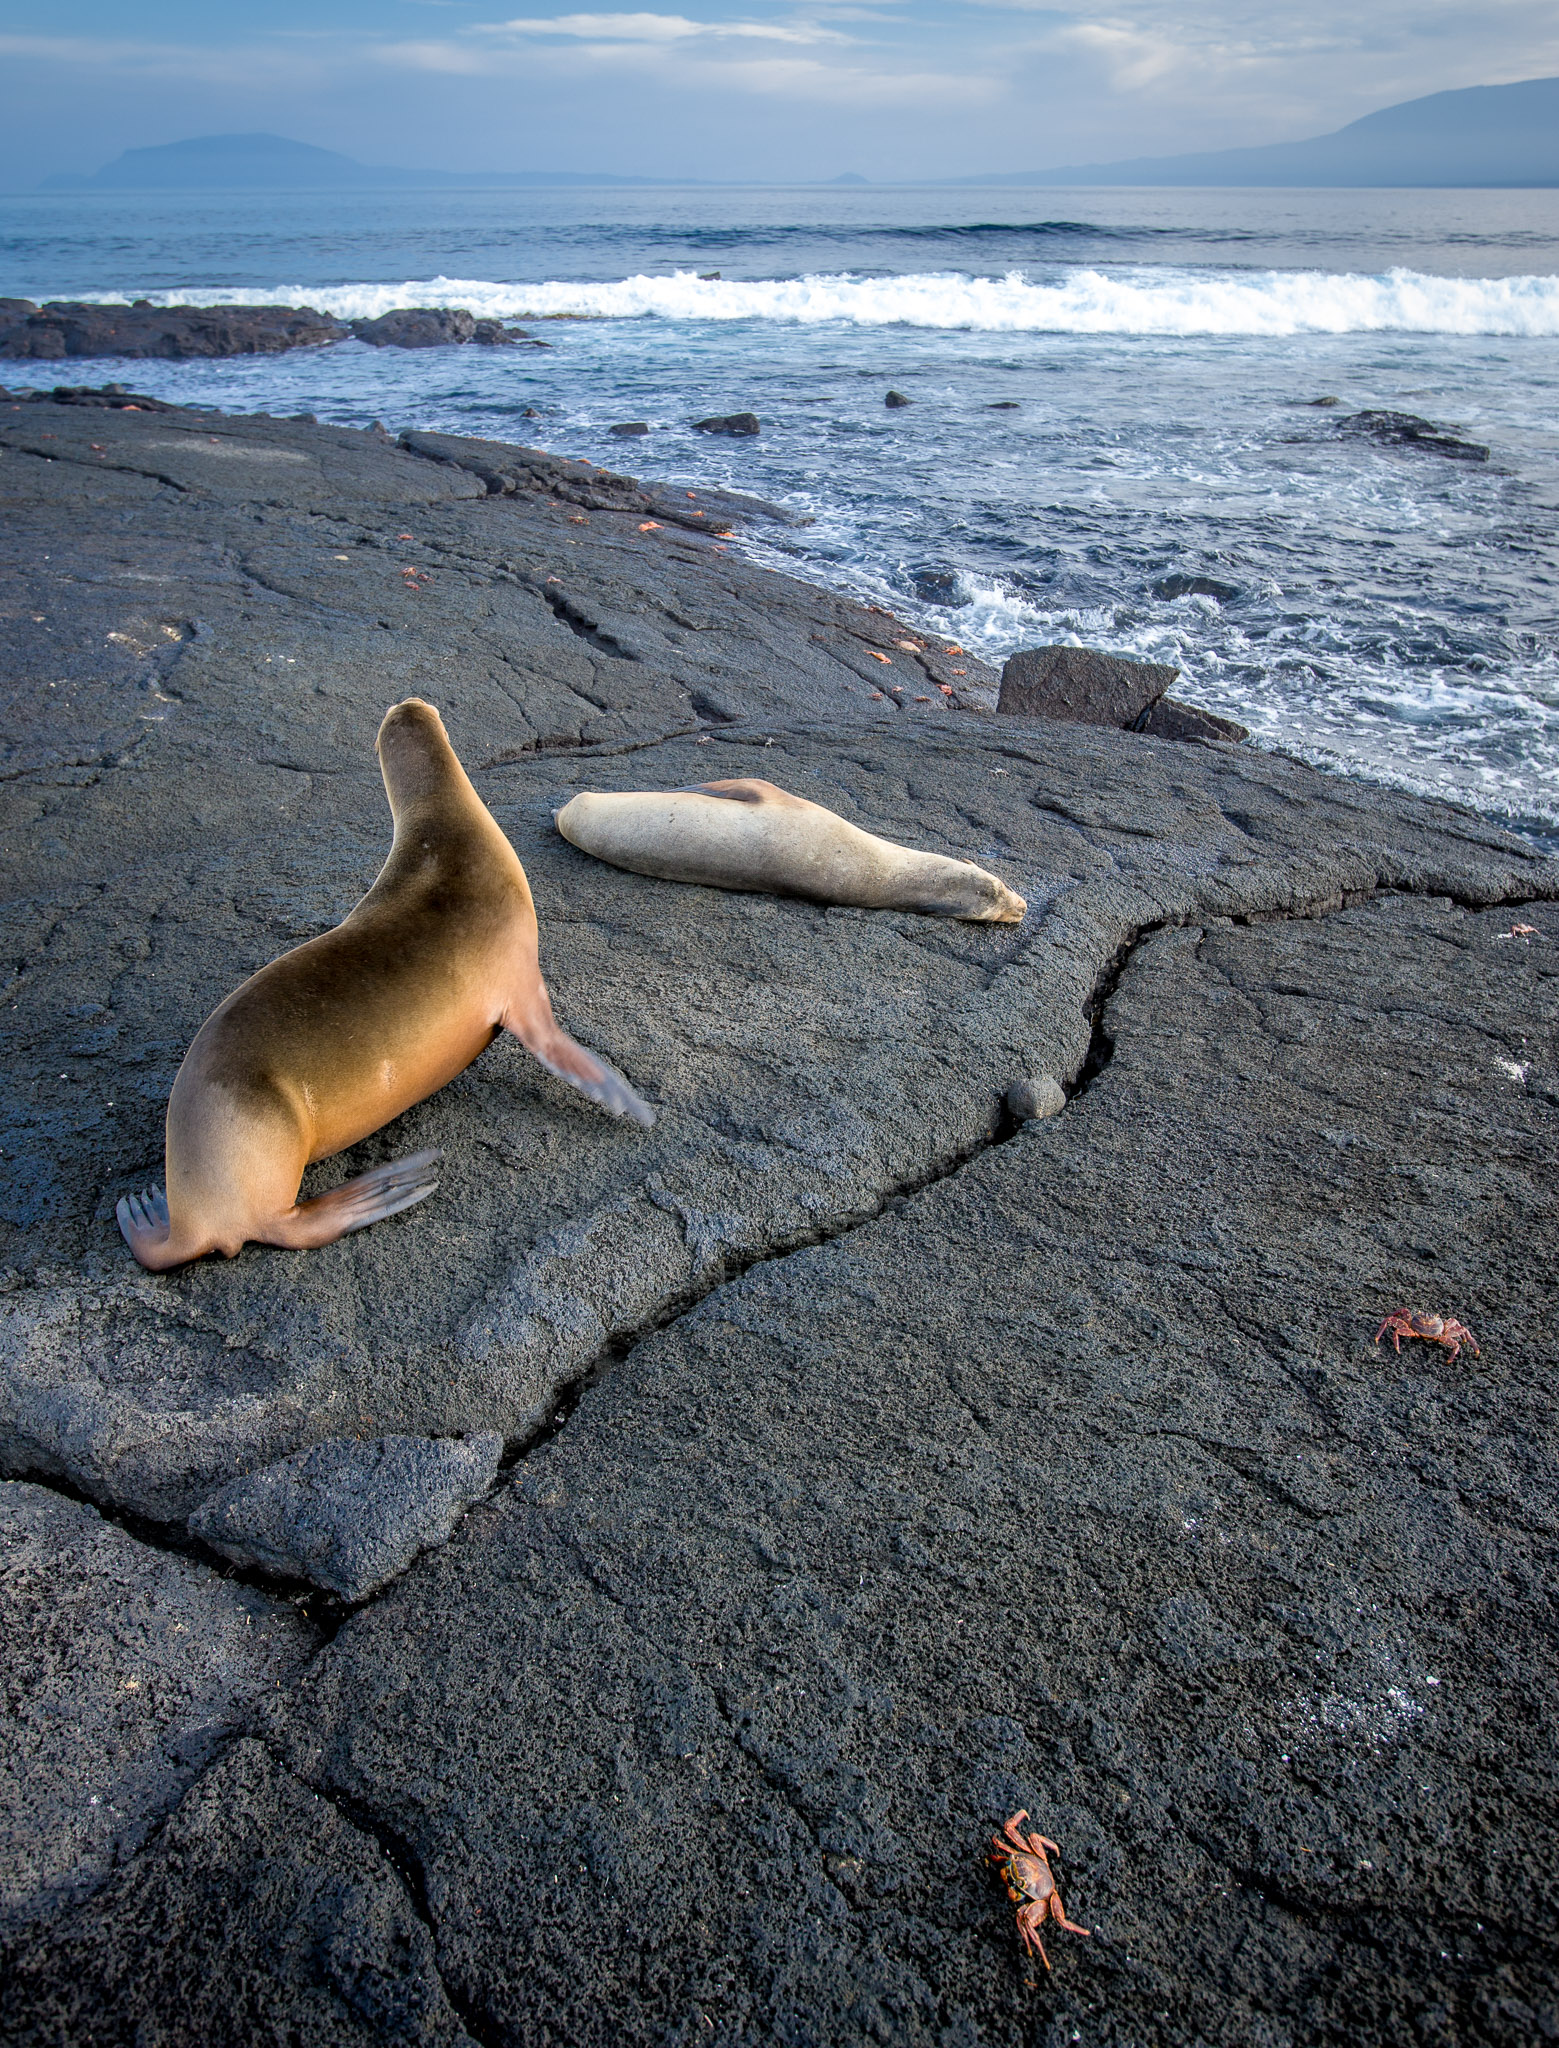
1165 301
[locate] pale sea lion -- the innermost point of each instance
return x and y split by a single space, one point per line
338 1037
747 834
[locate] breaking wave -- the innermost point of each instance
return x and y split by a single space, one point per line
1076 301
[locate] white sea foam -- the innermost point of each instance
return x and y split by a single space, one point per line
1080 301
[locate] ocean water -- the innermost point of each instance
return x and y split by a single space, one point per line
1113 436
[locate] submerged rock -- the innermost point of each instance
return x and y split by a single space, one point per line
1407 430
625 428
1083 685
895 399
346 1515
1181 584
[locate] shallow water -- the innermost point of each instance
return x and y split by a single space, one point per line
1110 438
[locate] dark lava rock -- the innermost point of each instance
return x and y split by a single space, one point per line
1169 719
349 1515
1183 584
62 328
1004 405
261 1916
938 586
124 1670
895 399
1407 430
1326 401
1071 1482
437 327
629 427
1082 684
729 423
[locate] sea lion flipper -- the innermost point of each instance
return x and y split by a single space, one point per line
383 1191
143 1220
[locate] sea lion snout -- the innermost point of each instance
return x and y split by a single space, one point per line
415 755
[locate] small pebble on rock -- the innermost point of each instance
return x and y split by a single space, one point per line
1036 1096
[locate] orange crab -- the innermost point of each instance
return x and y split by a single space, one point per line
1444 1330
1024 1868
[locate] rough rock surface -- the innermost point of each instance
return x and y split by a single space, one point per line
123 1671
261 1917
738 423
61 328
1169 719
437 327
348 1515
1075 1483
1071 1481
1081 684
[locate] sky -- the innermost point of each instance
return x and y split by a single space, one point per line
736 89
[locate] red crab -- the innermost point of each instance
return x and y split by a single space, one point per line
1024 1869
1444 1330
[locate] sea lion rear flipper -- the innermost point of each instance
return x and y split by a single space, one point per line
384 1191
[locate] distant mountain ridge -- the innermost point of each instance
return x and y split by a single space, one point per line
276 163
1488 135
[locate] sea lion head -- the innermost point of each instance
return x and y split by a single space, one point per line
414 752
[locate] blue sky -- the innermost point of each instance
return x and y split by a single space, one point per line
767 89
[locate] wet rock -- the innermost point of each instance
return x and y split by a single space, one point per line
124 1670
62 328
938 586
1083 685
437 327
627 428
895 399
1035 1097
348 1515
1169 719
1004 405
1407 430
1328 400
261 1914
1183 583
729 423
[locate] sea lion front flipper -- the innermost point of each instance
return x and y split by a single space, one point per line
544 1038
384 1191
143 1222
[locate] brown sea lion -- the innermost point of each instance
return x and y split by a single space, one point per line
339 1036
747 834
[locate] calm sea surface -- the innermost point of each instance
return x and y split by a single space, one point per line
1111 438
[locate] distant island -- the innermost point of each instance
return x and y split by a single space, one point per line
275 163
1483 135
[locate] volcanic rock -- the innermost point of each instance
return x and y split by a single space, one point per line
62 328
630 427
895 399
1082 685
729 423
436 327
348 1515
124 1672
1407 430
1169 719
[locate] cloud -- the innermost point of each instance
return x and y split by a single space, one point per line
652 28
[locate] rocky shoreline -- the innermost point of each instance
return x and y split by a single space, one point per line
63 327
872 1461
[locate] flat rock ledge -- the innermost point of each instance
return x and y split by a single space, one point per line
887 1454
348 1516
